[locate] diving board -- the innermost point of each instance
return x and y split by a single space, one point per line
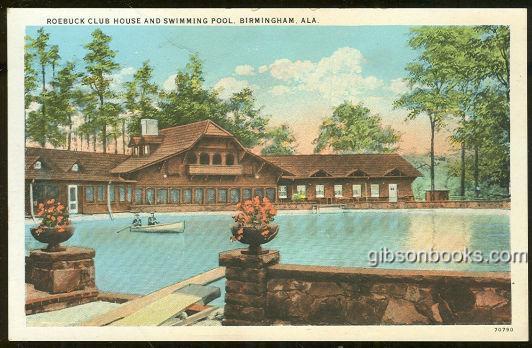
132 306
159 311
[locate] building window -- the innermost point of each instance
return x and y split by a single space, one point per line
204 158
89 194
138 195
217 159
75 167
122 193
229 159
37 165
320 191
222 195
187 196
357 190
211 196
374 190
270 193
235 195
259 192
149 196
146 150
101 193
338 191
136 151
162 196
246 194
191 158
301 190
112 193
198 196
282 192
174 195
129 192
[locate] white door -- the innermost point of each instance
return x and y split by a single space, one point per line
72 199
392 192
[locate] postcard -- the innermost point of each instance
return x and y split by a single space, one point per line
267 174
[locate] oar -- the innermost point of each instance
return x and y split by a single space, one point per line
123 228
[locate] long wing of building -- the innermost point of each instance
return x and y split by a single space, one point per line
201 166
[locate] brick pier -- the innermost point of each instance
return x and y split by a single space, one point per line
246 288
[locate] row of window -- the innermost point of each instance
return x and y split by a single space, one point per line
205 158
338 191
199 195
97 193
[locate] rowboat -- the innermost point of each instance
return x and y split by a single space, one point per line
174 227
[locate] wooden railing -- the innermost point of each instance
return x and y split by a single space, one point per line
205 169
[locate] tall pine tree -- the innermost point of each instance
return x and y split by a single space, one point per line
100 65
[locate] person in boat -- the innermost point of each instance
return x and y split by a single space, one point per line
137 221
152 220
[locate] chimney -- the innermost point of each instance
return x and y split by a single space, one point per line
149 127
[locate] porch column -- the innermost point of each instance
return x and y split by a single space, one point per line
31 200
109 201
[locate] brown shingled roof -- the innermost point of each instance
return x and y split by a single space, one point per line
176 140
57 164
375 165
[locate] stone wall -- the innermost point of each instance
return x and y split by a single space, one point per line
259 291
61 271
349 296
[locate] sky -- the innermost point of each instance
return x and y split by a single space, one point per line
298 74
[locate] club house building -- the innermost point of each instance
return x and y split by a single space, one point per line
201 166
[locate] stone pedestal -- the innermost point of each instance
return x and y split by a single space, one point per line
245 296
61 271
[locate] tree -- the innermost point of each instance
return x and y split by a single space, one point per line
30 76
62 98
279 141
42 126
140 98
100 65
244 119
431 89
352 128
191 101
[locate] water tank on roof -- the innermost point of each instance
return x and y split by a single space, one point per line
149 126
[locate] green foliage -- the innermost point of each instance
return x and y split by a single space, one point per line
279 141
140 97
463 72
352 128
244 119
42 125
30 74
190 101
298 197
100 65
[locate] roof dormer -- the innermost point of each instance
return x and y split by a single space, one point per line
76 167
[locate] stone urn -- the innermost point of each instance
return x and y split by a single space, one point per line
254 237
53 237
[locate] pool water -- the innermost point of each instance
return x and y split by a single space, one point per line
140 263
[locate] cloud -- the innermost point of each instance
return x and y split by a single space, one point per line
245 70
398 86
280 90
229 85
122 76
169 83
336 78
285 69
263 69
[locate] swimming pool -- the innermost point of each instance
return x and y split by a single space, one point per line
140 262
